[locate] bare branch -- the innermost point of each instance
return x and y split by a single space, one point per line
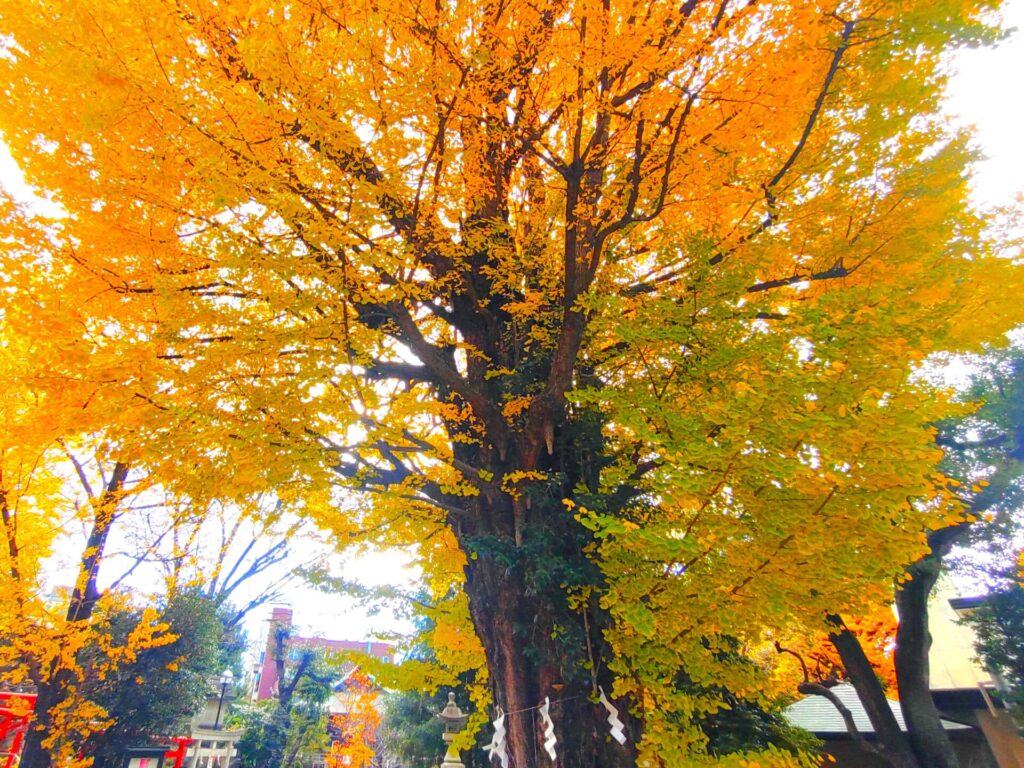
851 727
79 469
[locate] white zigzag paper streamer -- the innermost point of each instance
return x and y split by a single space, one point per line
496 749
613 718
549 729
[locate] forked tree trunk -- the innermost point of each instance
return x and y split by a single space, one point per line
926 740
929 739
893 745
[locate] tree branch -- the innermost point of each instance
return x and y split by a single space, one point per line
819 102
817 689
85 594
834 272
483 408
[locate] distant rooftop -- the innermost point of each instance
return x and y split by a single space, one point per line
819 715
967 603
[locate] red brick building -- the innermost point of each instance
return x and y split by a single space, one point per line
266 671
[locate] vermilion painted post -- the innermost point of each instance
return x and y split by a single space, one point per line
178 753
14 725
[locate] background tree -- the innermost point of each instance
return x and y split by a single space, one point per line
611 307
308 712
354 733
294 723
412 716
45 437
86 416
263 726
64 467
983 460
999 626
156 694
986 454
251 547
813 658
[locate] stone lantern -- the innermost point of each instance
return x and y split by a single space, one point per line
454 720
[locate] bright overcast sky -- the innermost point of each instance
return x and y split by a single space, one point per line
985 93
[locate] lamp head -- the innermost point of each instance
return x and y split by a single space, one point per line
454 719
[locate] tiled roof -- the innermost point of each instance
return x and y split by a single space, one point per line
818 715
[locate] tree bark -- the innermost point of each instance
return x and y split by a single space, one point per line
817 689
527 664
10 532
895 748
526 553
33 755
928 738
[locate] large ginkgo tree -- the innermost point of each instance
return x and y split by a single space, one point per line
611 307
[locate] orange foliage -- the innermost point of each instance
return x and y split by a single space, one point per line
876 631
354 732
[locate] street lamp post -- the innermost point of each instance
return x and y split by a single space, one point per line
454 720
225 681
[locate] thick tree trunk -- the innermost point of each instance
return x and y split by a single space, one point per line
894 745
49 695
526 554
928 738
497 607
528 663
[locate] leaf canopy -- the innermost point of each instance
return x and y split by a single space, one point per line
640 285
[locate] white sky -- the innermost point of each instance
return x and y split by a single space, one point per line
985 93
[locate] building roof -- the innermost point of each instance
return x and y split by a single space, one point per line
819 716
967 603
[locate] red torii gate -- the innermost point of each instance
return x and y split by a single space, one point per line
15 714
178 753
